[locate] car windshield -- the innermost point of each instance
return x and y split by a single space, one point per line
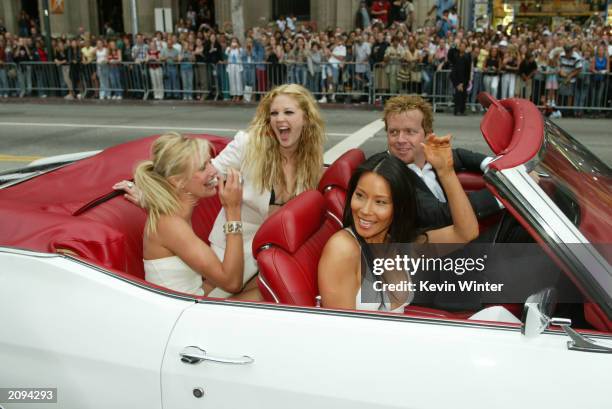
578 182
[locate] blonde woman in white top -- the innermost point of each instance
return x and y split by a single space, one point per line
171 184
280 156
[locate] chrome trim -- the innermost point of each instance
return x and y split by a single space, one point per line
558 234
333 216
26 252
578 341
194 355
265 284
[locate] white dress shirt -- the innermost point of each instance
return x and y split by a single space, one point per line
430 178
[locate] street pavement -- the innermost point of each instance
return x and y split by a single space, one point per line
31 129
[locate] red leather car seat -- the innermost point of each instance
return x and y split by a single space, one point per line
71 210
288 247
334 182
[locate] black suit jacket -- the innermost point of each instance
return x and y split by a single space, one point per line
433 214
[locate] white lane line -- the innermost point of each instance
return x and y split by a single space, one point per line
142 127
355 140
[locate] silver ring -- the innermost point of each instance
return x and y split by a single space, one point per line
130 185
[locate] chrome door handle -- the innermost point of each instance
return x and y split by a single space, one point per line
194 355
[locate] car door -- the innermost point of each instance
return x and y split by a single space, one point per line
305 358
99 339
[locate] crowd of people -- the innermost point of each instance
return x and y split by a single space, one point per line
384 55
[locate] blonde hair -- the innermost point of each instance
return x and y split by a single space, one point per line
404 103
263 155
172 155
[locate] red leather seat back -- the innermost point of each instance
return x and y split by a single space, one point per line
52 212
497 124
288 247
471 181
334 182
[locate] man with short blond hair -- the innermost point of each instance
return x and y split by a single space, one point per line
408 120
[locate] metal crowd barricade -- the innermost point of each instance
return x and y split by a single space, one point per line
42 77
133 79
591 93
442 94
8 80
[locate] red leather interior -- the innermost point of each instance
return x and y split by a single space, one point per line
334 182
471 181
44 213
526 137
596 317
288 247
497 124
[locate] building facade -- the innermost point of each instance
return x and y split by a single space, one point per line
67 16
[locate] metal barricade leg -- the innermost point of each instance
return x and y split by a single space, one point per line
4 84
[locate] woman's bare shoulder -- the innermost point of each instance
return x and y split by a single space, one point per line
340 248
343 240
171 226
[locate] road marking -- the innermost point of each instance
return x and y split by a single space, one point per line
14 158
354 140
142 127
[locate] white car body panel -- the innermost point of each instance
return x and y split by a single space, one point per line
334 360
97 339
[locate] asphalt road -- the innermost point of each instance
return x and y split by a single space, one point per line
31 129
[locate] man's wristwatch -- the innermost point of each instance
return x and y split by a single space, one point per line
234 227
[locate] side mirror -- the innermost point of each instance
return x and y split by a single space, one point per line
537 316
537 312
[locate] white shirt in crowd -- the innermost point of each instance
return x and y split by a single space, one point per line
337 51
101 55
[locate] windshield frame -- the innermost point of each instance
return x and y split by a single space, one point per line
539 214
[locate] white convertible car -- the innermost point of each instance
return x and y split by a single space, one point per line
78 316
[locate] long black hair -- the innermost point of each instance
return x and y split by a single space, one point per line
403 228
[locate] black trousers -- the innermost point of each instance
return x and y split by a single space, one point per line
460 98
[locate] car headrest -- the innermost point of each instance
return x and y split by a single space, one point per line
293 224
496 125
527 134
339 173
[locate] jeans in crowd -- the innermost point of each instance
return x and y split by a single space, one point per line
426 79
213 80
115 81
104 80
599 87
582 91
4 85
248 75
172 81
313 82
508 85
296 74
491 84
24 78
187 80
476 86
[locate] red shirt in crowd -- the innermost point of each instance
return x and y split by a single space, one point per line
42 55
381 5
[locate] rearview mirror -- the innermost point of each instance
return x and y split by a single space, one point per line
537 312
